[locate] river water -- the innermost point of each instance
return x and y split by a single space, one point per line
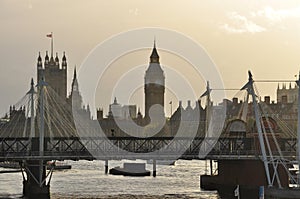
87 179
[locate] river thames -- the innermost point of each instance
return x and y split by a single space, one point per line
87 179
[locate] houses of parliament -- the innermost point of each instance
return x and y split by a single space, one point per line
54 72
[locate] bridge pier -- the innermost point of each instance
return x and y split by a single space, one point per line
154 168
249 174
106 166
35 185
211 167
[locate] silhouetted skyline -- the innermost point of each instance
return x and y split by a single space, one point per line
261 36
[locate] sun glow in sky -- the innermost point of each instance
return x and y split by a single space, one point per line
263 36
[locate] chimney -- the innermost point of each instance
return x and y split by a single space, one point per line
180 104
189 103
267 99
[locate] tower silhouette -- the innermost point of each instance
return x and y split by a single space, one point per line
53 73
154 86
75 98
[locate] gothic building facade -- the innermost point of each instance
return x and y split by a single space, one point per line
154 92
287 94
54 73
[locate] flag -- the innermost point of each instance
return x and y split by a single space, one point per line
237 191
49 35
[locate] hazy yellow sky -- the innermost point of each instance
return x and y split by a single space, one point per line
263 36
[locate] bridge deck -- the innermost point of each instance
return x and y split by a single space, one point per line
90 148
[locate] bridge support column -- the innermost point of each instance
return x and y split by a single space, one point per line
35 185
106 166
211 167
249 174
154 168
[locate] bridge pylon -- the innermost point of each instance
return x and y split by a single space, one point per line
35 184
32 187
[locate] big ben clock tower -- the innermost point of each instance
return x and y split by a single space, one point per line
154 87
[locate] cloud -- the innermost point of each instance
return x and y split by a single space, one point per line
241 24
269 16
277 15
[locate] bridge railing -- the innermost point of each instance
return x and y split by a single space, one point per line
128 147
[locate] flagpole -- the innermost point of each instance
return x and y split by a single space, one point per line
51 44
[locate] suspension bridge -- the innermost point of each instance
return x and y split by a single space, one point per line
41 127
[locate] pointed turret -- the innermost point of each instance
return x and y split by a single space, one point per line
56 60
88 111
46 58
115 101
39 62
154 58
75 82
64 61
75 96
32 83
75 74
180 105
189 107
154 73
64 56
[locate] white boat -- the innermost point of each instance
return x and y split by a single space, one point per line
131 169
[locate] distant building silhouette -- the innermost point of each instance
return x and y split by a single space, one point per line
154 86
116 110
282 115
54 73
287 95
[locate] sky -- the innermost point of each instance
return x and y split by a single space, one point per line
263 36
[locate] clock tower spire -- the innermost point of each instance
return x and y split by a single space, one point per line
154 86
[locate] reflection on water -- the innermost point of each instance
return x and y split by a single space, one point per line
86 179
